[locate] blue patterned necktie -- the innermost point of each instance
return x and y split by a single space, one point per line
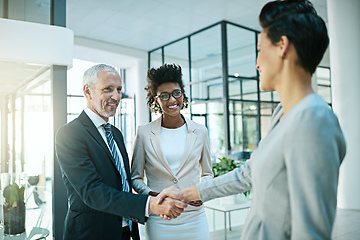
118 161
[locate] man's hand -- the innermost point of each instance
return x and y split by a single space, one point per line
164 206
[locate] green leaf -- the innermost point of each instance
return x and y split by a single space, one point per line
12 193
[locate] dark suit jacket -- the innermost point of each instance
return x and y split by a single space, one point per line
97 203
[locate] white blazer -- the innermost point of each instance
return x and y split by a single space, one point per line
148 159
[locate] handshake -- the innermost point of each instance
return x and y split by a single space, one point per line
170 203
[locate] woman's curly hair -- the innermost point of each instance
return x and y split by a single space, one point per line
163 74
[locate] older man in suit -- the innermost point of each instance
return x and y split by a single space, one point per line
95 168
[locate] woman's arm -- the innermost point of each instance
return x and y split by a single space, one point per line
138 166
205 161
314 149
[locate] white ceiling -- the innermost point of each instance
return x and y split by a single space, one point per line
139 24
145 25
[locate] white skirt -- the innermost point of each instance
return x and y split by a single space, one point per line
189 225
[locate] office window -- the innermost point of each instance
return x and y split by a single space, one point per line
248 109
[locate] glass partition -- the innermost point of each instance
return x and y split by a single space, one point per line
156 58
241 51
219 70
29 10
178 52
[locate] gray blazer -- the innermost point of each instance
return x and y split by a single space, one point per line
293 173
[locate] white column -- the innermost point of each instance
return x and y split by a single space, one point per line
142 111
344 19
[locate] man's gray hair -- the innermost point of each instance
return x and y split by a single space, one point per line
90 77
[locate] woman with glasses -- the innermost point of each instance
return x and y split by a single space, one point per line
171 151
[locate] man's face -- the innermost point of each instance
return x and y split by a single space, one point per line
106 96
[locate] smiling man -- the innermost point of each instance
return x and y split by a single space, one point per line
95 168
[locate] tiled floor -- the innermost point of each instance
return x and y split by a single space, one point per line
346 227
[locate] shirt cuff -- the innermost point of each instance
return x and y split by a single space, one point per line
147 207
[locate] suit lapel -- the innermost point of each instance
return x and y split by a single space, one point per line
190 142
155 140
92 130
275 117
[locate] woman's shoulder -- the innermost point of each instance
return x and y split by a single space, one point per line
194 126
148 126
312 108
313 115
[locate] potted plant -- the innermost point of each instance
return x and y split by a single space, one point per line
226 165
14 209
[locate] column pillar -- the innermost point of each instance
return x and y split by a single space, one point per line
142 113
59 104
5 156
344 32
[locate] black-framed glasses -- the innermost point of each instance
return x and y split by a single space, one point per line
164 96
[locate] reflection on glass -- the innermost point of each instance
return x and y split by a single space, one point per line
250 89
156 58
178 53
29 11
241 51
75 76
31 143
236 128
199 108
324 83
206 58
216 134
75 104
265 96
325 93
235 88
215 107
212 89
266 111
199 119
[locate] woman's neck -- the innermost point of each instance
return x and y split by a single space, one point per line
296 85
172 121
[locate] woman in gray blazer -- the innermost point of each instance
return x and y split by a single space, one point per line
171 151
294 170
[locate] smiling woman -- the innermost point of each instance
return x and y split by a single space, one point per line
171 151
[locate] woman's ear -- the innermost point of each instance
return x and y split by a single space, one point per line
283 45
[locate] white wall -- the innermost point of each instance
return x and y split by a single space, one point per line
344 19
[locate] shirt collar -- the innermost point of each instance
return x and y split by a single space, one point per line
96 119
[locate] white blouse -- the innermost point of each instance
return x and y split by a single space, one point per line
173 145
